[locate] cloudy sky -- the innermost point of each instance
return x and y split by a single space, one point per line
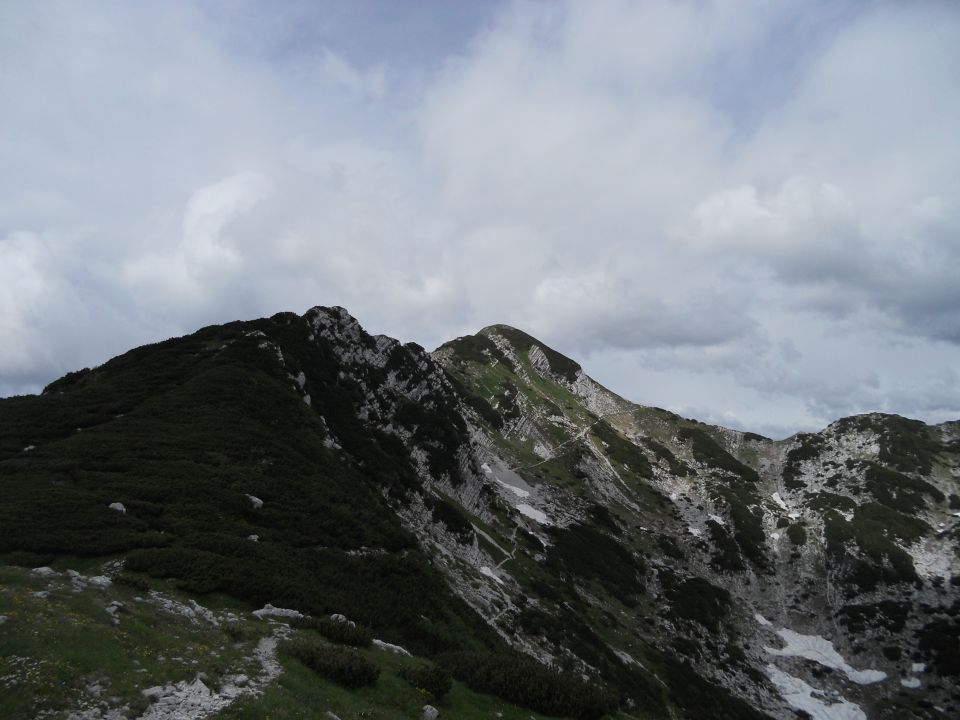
747 212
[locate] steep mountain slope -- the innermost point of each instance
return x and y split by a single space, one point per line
848 536
490 498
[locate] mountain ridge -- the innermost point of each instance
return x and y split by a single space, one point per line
545 514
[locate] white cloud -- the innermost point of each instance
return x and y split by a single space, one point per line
749 205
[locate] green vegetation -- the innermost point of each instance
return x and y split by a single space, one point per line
708 451
450 516
873 529
341 665
187 433
726 557
431 678
183 431
559 364
809 446
661 452
58 640
338 631
888 614
696 599
907 445
897 491
622 451
940 640
526 682
698 698
743 503
797 534
477 349
301 694
824 500
590 554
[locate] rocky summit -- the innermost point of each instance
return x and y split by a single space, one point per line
289 517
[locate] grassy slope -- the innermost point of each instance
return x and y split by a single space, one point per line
53 648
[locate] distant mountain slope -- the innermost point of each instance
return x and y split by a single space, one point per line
490 497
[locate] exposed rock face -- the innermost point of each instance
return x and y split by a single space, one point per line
700 571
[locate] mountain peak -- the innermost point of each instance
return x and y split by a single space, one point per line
510 345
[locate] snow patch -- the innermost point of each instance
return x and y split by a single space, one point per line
717 519
519 492
762 620
256 502
821 650
533 513
779 501
912 682
484 570
696 532
119 507
801 696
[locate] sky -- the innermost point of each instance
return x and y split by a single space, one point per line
746 212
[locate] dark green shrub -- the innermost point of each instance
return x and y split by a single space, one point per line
708 451
696 599
344 667
524 681
727 556
559 364
588 553
940 640
435 680
133 581
451 516
622 451
661 452
341 632
899 491
797 534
